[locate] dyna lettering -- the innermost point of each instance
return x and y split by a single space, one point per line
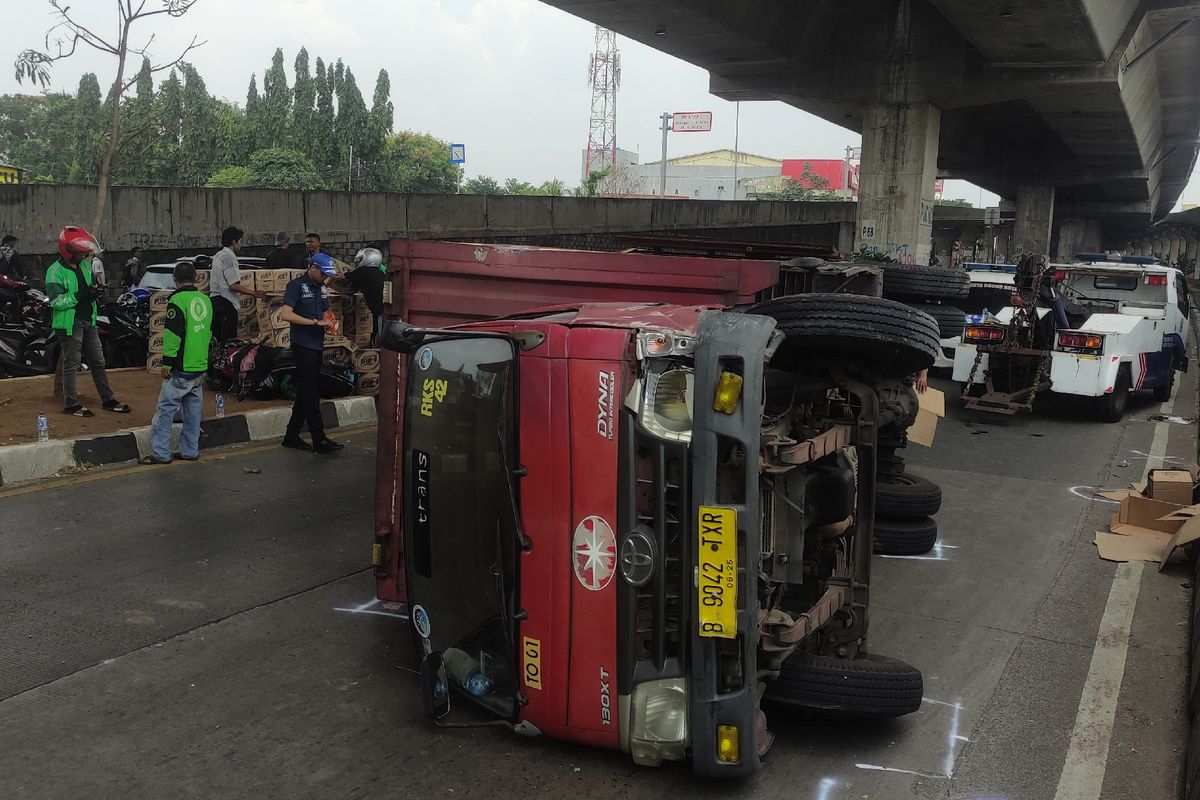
604 418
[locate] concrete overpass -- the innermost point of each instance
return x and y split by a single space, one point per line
1081 110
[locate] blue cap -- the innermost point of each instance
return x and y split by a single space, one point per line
324 262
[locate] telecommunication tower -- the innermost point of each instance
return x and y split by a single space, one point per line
604 76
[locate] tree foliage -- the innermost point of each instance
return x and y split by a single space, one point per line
231 177
417 163
284 168
482 184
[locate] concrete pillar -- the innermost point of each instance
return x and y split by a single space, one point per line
845 241
1035 219
898 169
1003 254
1176 240
1077 236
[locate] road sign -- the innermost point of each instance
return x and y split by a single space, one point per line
458 154
691 121
991 216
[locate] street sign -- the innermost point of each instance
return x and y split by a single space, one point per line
458 154
691 121
991 216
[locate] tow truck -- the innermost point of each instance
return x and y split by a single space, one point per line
1100 328
636 506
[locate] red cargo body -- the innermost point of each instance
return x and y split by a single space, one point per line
439 284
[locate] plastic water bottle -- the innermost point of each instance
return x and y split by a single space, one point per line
477 684
220 405
43 428
985 315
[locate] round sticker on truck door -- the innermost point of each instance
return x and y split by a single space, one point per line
594 551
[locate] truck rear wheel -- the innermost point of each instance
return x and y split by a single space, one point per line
1111 407
904 537
1163 393
889 336
912 282
906 496
867 686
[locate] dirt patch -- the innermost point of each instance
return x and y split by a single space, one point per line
21 399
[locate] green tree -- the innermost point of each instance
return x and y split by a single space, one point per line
198 143
304 95
482 184
169 113
132 164
514 186
231 177
34 65
323 147
415 163
353 126
89 141
553 188
591 185
37 133
232 134
954 202
284 168
254 113
276 104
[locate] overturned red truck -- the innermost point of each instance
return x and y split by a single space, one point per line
628 498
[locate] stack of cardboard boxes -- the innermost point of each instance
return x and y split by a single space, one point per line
1156 517
262 320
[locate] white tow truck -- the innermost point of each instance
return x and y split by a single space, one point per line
1099 329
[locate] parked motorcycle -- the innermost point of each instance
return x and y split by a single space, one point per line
124 328
29 347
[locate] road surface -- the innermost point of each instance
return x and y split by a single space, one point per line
208 630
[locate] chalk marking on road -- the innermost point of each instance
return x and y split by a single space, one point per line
1150 456
877 768
373 612
1083 770
952 739
825 788
938 555
1075 491
952 742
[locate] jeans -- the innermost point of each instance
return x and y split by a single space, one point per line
307 407
184 389
84 341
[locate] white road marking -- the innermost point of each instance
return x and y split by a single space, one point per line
1075 490
825 788
1083 770
952 740
369 608
876 768
938 555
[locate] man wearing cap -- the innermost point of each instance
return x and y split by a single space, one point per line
304 308
283 256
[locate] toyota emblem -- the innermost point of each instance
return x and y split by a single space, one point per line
637 558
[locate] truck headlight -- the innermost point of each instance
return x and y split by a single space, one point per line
659 721
666 408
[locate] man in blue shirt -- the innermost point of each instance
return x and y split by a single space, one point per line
304 307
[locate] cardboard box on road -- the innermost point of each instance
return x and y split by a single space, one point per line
1150 529
931 407
1171 486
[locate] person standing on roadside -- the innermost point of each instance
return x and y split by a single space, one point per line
304 307
312 246
186 338
98 272
225 284
283 256
368 277
72 292
10 265
131 273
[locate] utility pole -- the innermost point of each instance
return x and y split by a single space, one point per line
662 167
350 169
737 129
604 76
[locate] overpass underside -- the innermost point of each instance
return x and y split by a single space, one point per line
1084 111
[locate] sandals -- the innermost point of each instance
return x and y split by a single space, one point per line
78 411
152 460
116 407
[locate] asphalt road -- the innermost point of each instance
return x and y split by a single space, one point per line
205 631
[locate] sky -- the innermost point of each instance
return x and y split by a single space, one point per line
507 78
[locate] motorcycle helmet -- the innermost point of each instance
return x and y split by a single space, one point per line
142 295
128 300
368 257
76 242
324 262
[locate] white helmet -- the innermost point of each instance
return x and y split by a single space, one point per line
368 257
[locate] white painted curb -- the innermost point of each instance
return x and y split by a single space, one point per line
29 462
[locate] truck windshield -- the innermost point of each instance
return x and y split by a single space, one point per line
461 532
1116 288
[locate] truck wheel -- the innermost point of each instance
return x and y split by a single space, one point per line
904 537
906 496
950 319
887 335
867 686
1111 407
1163 393
911 282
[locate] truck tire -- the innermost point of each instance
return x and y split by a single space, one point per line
867 686
950 319
911 282
884 334
906 496
904 537
1111 407
1163 393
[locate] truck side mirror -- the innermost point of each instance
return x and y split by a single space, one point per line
435 686
401 337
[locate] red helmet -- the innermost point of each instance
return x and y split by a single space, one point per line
75 242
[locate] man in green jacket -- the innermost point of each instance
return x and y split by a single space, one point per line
72 292
186 339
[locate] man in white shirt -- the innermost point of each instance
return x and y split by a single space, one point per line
98 271
225 284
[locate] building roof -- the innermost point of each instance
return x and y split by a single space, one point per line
723 156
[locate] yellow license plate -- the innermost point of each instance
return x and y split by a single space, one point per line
716 572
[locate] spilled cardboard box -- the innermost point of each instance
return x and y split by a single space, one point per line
1149 526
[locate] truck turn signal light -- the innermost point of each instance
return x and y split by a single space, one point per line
727 744
983 333
1081 341
729 389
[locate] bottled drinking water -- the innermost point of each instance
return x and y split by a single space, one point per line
220 405
43 426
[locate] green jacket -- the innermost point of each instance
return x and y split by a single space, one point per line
62 287
188 331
